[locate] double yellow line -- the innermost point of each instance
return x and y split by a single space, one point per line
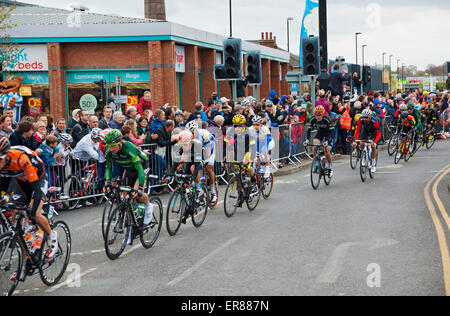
437 222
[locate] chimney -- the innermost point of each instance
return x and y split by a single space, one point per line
155 9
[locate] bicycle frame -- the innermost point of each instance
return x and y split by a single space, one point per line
93 171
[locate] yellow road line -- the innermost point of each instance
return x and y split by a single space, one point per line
438 200
440 231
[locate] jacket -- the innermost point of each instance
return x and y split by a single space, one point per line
337 82
78 132
48 153
142 103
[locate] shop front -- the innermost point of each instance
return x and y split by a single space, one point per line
132 83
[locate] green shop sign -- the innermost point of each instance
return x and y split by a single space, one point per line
109 75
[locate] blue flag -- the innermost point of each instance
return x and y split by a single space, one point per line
310 23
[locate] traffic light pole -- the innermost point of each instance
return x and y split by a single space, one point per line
234 90
313 91
256 91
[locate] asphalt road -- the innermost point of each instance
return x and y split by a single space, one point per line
376 238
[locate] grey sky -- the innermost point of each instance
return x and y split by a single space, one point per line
414 31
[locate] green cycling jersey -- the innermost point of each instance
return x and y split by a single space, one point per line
129 158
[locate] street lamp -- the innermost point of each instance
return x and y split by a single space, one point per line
390 72
382 74
231 22
362 69
288 33
356 36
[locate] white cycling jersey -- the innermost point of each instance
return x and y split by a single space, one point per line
208 143
86 149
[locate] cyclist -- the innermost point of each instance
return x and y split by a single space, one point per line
131 159
208 144
88 147
241 144
264 143
370 126
26 182
430 116
325 134
407 124
188 153
417 115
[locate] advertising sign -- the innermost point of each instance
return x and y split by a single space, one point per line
34 106
30 57
88 103
180 59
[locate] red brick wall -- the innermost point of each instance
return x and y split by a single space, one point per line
56 80
275 82
207 59
266 85
190 80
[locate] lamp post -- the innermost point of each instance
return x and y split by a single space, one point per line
231 22
362 69
356 36
398 72
382 73
403 76
288 33
390 72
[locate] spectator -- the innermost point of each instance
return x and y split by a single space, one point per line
157 122
146 100
6 126
142 128
117 122
23 135
60 127
75 118
81 129
39 135
179 119
164 133
107 116
447 83
10 113
49 154
131 113
93 122
137 140
323 101
337 79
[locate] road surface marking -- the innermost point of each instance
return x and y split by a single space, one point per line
196 266
440 232
69 281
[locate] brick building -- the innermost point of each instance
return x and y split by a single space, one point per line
63 52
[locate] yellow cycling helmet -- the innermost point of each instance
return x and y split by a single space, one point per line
239 120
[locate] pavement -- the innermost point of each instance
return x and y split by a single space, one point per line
349 238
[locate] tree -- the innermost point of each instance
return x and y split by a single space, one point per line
8 50
434 70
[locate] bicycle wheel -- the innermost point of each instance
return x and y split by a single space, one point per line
11 262
75 191
107 209
316 173
392 145
117 232
51 271
150 233
175 212
326 172
408 152
363 166
200 211
255 195
430 140
266 186
231 198
354 158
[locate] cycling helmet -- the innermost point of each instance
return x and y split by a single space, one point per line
403 107
177 113
113 138
366 113
185 137
192 126
246 102
257 119
239 120
404 115
269 103
319 110
95 133
5 145
104 133
65 138
430 106
411 106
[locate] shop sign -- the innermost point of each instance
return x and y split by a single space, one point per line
133 100
120 99
110 76
180 59
34 106
88 103
33 77
28 57
25 91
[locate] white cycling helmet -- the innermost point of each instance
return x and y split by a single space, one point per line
65 138
403 107
96 133
185 137
192 126
258 120
366 113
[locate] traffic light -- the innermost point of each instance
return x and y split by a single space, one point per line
232 53
100 90
311 56
367 74
220 73
254 70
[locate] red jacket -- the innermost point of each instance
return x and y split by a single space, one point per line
142 103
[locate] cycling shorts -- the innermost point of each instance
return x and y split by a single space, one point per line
130 178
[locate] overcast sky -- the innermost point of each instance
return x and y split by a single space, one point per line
416 32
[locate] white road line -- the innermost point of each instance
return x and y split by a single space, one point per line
69 281
196 266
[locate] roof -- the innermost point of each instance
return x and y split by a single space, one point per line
27 14
37 24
